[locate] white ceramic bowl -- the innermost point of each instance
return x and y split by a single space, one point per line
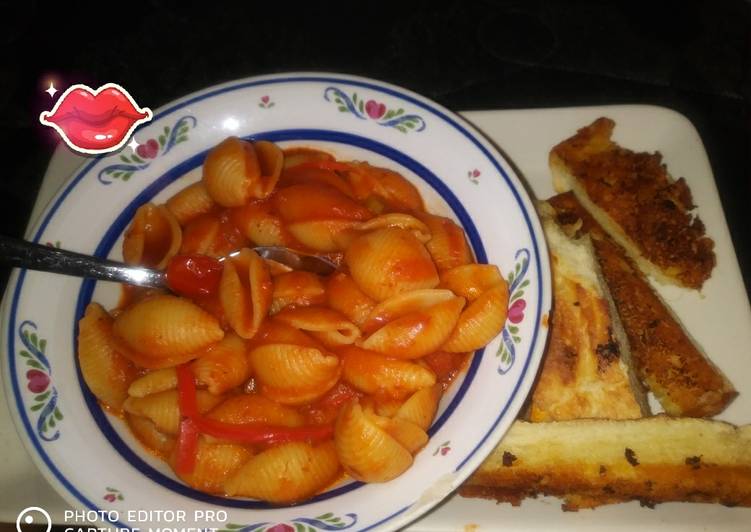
91 457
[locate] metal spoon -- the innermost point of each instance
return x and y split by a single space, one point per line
23 254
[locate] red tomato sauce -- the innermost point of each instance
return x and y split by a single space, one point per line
194 276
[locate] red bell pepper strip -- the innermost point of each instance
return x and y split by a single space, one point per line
187 441
242 433
186 391
187 447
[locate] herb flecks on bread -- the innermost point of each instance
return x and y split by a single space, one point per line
591 462
637 202
586 371
667 360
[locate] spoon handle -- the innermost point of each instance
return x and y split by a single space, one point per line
23 254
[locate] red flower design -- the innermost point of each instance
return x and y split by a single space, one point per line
445 450
281 527
111 497
265 99
148 150
38 380
374 109
516 311
475 173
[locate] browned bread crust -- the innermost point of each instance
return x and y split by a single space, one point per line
594 462
667 361
636 200
586 371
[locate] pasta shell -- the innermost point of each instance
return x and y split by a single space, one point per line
106 372
228 171
324 236
215 463
366 451
301 203
232 173
163 326
409 435
245 291
330 327
153 238
276 332
342 237
223 366
155 381
286 473
200 236
146 361
277 268
398 220
471 280
390 261
404 304
131 294
162 408
297 288
375 204
421 407
256 221
305 175
398 192
271 161
292 374
345 296
480 322
296 156
253 408
147 433
417 333
448 245
392 187
213 235
374 373
268 232
190 202
383 405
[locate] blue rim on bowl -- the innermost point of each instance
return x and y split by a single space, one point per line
537 259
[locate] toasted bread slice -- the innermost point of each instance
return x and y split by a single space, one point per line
637 202
593 462
666 359
586 371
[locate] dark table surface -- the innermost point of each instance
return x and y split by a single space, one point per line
694 57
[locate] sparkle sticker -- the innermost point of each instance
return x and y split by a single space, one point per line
95 121
52 90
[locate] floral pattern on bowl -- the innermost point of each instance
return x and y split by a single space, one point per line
170 137
374 110
510 334
39 382
327 521
366 128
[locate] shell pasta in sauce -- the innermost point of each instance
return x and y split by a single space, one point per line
255 380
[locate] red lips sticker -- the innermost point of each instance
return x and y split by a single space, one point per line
95 121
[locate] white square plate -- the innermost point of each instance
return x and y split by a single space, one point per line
719 319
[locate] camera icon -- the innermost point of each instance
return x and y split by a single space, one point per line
33 515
